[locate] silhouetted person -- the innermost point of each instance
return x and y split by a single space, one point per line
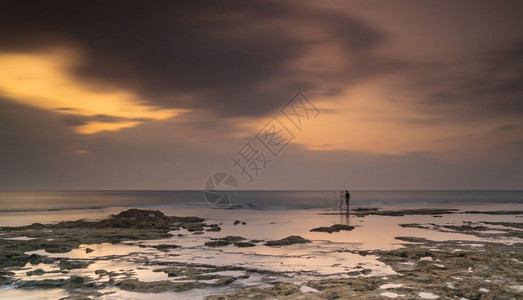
347 199
342 195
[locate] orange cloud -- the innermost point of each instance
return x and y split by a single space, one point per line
41 80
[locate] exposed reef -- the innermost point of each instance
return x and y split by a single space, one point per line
290 240
333 228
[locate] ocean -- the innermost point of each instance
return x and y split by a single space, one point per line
20 201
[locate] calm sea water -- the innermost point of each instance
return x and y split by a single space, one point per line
11 201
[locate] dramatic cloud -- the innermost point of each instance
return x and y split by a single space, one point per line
39 80
239 59
158 94
488 85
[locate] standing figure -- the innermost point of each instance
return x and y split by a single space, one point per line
342 195
347 199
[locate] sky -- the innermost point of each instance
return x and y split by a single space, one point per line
164 94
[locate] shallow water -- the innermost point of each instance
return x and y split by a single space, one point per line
329 255
28 294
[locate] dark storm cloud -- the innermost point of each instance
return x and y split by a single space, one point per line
485 86
507 81
508 127
231 57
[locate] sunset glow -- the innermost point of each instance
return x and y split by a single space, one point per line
42 81
415 90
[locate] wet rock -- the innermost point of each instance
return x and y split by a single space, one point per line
411 239
78 281
237 222
290 240
6 273
422 211
244 244
201 273
134 285
44 284
137 218
5 280
61 247
217 243
132 224
403 212
165 247
414 225
188 272
213 228
35 272
497 212
466 228
66 264
36 226
88 250
365 209
13 259
191 227
36 259
471 228
99 272
232 238
73 282
366 271
333 228
17 257
225 280
79 294
278 291
506 224
132 218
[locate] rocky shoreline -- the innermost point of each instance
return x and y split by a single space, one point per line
424 268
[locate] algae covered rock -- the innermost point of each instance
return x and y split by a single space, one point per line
165 247
290 240
135 285
333 228
35 272
230 239
138 218
218 243
66 264
244 244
